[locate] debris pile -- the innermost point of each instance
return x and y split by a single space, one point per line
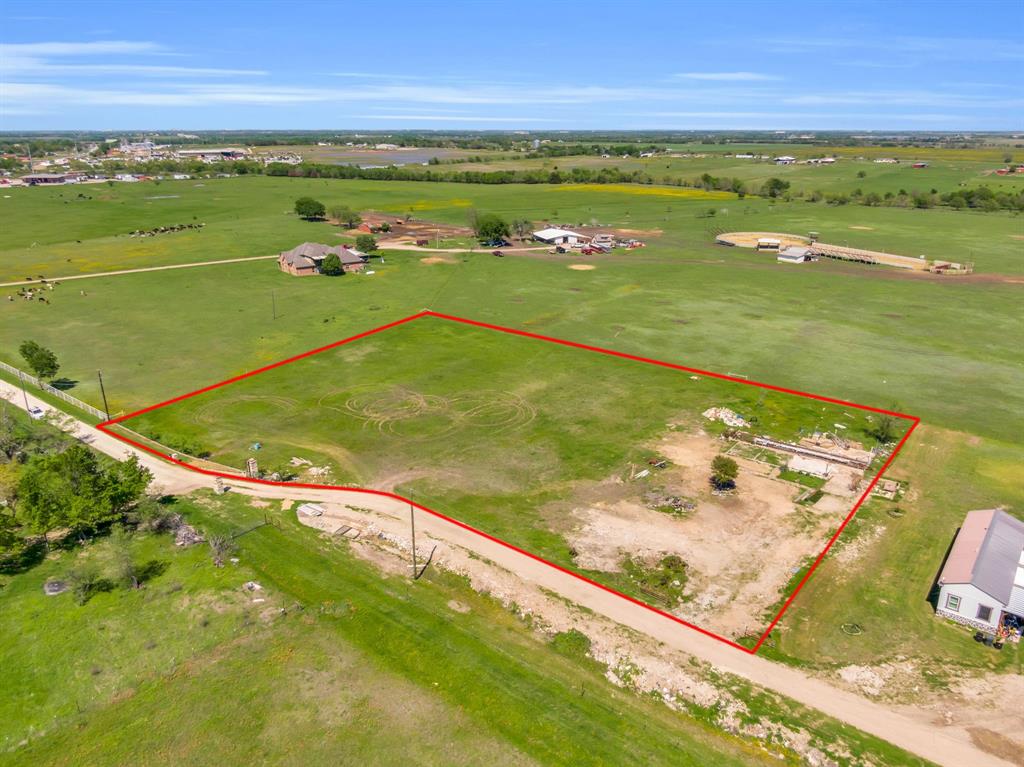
726 416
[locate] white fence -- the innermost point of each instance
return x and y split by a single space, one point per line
23 376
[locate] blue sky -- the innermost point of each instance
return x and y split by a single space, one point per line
522 65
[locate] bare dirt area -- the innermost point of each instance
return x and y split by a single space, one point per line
740 548
582 267
431 260
749 239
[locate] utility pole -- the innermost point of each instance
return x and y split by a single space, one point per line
106 407
21 377
273 303
412 525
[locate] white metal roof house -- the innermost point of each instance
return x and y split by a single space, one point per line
982 581
554 236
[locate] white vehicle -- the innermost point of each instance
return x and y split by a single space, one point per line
36 412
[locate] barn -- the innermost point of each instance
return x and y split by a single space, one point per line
554 236
982 580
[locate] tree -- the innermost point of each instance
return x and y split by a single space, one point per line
220 547
774 187
723 472
343 214
489 226
366 243
71 489
521 227
309 209
331 265
861 174
41 360
385 227
125 569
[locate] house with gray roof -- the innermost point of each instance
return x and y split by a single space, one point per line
308 257
982 580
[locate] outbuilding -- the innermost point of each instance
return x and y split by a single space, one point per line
795 254
555 236
982 580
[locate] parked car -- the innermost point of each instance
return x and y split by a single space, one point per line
36 412
498 253
499 243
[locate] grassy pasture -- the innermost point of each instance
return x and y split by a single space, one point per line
948 170
252 216
945 349
189 670
484 426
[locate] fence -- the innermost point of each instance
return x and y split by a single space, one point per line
23 376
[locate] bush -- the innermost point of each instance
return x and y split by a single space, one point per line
366 243
331 265
723 472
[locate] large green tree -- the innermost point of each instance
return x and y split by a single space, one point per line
41 360
366 243
489 226
72 490
309 209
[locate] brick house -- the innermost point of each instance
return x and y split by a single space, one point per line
308 257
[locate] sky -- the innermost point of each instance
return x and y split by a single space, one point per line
559 64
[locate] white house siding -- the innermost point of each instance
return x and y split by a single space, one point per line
971 598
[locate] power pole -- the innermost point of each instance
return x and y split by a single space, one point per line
106 407
412 525
273 303
21 377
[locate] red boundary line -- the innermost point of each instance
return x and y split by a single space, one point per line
915 421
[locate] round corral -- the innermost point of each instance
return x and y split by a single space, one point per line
750 239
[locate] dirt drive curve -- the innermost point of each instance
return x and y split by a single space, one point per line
945 745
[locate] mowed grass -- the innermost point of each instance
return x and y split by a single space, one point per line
253 216
481 425
340 665
887 589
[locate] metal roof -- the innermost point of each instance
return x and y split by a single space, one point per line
552 233
987 553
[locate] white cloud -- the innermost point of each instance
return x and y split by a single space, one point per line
95 48
728 76
459 118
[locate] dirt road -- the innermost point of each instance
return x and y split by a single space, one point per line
945 745
136 271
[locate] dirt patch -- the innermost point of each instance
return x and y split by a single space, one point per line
749 239
863 228
458 606
437 260
1017 236
582 267
740 550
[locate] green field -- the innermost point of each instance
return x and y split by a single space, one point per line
252 216
354 666
496 430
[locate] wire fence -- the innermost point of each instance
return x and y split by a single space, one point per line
58 393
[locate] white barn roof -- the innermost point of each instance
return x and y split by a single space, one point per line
554 233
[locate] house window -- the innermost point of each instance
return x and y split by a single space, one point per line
984 613
953 602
